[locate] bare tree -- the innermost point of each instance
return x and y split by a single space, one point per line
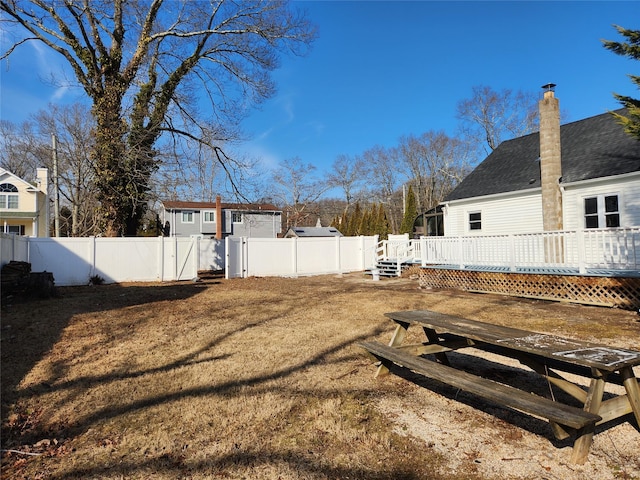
73 125
348 174
20 149
436 163
490 117
140 62
385 178
29 146
297 189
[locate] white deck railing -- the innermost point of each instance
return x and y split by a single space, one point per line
609 249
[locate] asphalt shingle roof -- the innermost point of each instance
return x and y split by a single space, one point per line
315 232
178 205
591 148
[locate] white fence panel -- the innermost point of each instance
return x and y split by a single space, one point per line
127 259
212 254
317 255
263 257
13 247
71 260
234 257
270 257
357 253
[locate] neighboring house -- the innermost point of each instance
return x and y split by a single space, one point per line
24 207
312 232
584 174
221 219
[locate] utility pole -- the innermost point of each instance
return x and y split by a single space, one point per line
56 194
404 199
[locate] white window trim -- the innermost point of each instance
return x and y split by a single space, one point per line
5 201
233 216
182 220
602 220
469 229
204 216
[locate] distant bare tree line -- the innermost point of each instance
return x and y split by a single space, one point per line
432 163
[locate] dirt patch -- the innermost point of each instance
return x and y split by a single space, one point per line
262 379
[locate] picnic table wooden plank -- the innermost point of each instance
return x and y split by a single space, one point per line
496 392
555 347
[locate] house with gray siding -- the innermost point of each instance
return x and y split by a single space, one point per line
220 220
581 175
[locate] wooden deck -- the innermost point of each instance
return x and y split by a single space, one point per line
604 288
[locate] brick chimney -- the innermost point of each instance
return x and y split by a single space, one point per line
550 160
218 217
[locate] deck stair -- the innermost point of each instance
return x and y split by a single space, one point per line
393 256
391 267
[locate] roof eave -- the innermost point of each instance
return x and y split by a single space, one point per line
494 196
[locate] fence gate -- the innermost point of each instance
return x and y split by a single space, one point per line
235 257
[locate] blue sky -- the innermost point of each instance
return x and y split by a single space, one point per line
381 70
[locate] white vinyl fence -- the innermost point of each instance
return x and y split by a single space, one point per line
262 257
74 261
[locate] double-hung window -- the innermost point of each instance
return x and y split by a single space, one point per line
475 221
209 216
187 216
8 196
236 217
602 211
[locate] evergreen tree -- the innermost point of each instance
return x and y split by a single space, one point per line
344 223
372 223
629 49
354 221
383 228
365 223
410 212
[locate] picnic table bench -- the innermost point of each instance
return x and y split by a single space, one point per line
550 356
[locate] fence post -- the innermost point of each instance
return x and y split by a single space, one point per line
196 256
92 256
227 271
174 263
363 251
294 251
244 244
582 254
161 258
512 253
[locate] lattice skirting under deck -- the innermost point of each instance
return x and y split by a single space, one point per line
621 292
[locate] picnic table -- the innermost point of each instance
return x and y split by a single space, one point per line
550 356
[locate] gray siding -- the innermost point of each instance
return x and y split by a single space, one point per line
254 224
258 225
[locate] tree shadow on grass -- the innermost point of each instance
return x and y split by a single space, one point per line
30 328
227 466
173 462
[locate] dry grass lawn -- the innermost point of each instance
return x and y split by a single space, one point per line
261 379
